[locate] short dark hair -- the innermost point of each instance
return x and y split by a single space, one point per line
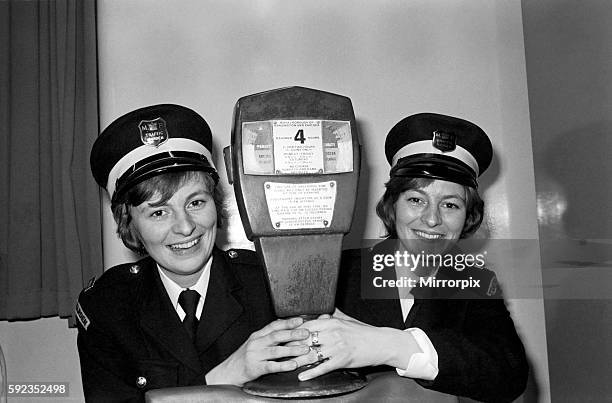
166 185
385 209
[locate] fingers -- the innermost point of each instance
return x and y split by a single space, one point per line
306 359
338 314
321 328
303 342
317 324
321 331
323 368
285 336
318 353
279 366
276 352
314 338
279 344
279 324
300 356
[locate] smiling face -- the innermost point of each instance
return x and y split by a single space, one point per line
178 234
427 218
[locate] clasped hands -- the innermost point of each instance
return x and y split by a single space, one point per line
336 341
339 341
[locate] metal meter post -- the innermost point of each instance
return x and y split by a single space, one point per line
294 162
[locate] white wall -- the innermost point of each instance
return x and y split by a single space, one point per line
392 58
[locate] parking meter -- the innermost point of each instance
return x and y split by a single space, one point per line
294 162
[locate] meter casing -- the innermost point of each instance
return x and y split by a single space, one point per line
302 263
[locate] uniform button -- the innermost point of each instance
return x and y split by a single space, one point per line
135 269
141 382
232 254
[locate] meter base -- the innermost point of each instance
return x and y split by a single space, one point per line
287 385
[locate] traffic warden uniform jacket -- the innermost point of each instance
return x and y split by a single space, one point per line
480 355
132 340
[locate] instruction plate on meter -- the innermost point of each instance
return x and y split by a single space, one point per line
300 205
297 147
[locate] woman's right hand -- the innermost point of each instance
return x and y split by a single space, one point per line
345 342
258 354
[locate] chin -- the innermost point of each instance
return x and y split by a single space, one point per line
186 270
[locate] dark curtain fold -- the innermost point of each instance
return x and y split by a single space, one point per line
50 226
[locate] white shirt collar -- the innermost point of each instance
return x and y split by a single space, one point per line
174 290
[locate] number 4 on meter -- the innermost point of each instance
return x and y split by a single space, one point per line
299 136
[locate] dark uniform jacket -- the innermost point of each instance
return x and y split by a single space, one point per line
480 355
131 338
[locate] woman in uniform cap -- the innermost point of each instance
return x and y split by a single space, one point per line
456 340
188 313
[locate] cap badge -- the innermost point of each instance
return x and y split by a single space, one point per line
444 141
153 132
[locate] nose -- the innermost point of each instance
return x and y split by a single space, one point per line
431 216
183 224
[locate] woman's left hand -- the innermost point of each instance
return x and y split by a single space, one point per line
344 342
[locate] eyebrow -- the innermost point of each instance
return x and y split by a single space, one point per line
455 196
444 197
191 195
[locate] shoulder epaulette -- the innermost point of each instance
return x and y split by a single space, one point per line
116 274
90 284
489 286
94 300
479 282
242 256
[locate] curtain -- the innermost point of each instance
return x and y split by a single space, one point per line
50 225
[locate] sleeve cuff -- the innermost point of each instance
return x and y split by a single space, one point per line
422 365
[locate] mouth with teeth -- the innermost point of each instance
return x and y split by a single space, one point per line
185 246
428 236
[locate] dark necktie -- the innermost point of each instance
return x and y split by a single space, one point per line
188 300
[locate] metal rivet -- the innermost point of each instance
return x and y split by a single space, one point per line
141 382
135 269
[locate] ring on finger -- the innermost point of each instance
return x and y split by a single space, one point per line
317 349
314 337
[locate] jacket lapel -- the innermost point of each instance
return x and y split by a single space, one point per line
421 297
383 312
221 307
161 322
430 304
388 311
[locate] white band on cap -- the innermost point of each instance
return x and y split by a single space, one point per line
426 147
146 151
